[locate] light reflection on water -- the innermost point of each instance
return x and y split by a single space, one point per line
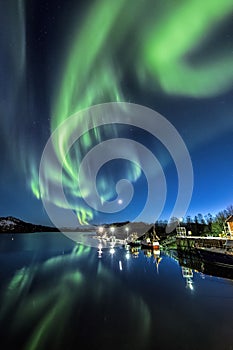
58 295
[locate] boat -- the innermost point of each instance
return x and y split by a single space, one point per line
136 243
222 256
149 243
216 256
204 262
133 240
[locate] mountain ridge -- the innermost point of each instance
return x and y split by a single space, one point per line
10 224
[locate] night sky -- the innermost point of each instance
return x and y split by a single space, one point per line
59 57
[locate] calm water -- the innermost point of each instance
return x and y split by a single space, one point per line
56 294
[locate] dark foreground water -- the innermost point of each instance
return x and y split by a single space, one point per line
55 294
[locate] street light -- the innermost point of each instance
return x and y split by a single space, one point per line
101 229
112 229
127 232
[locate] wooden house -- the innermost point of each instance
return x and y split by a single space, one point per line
229 223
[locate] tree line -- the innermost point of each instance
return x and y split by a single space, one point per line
200 225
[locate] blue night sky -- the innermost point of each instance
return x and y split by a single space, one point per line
58 57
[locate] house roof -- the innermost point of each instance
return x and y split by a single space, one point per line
230 219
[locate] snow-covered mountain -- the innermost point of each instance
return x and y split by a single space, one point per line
14 225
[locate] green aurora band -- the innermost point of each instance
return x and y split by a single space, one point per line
91 75
169 41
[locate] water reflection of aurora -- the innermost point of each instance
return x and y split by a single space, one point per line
60 301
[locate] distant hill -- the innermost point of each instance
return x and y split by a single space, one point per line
11 224
116 224
14 225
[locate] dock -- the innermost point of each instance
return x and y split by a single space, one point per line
192 242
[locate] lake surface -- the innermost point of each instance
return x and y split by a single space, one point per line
56 294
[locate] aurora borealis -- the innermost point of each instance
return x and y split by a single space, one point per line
60 57
183 30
